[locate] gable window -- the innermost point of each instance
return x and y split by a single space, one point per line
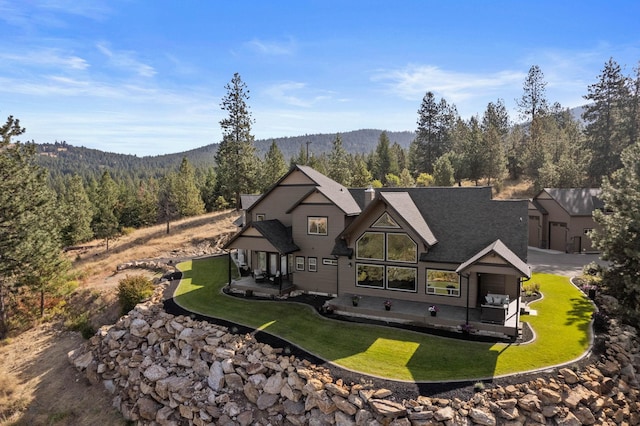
370 275
299 263
443 283
400 278
385 221
260 217
401 248
312 264
317 225
587 231
370 246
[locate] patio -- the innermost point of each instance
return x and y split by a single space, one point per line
448 318
266 287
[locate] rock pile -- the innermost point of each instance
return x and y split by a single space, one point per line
173 370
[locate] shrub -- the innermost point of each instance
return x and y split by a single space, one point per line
478 386
133 290
600 322
531 288
82 324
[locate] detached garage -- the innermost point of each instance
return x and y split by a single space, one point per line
561 219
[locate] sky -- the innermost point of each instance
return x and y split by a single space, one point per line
147 77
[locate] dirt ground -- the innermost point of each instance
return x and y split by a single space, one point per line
38 386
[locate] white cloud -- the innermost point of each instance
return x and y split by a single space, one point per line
125 60
272 48
46 58
296 94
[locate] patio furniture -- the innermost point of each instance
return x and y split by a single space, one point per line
495 308
259 276
276 278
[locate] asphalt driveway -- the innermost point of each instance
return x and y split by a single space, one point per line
554 262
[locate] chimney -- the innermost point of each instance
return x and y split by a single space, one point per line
369 195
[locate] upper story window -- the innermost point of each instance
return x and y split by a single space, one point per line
385 221
370 246
398 248
401 248
317 225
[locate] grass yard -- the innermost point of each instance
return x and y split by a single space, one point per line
562 327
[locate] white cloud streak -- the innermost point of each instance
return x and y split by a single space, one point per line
126 61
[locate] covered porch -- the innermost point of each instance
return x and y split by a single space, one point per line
270 286
449 318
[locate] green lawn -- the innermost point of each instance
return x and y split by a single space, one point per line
562 329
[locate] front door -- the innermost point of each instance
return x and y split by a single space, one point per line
273 263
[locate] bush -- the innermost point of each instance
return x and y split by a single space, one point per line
82 324
531 288
133 290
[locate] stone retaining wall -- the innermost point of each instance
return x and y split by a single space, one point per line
172 370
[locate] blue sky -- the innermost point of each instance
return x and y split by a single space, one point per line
147 77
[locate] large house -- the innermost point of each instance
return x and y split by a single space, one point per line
455 248
562 219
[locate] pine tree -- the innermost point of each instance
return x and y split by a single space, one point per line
30 246
237 163
78 213
382 163
208 190
443 174
361 177
274 166
533 106
106 224
607 121
433 136
619 236
495 127
340 163
187 195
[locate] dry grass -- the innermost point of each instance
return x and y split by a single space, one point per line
37 384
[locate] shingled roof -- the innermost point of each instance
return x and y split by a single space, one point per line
465 220
278 235
576 201
503 252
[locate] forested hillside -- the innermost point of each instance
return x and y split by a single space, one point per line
61 158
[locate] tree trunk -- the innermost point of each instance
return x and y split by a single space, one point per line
41 303
3 313
168 229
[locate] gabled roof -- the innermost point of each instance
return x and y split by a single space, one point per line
404 206
576 201
247 200
336 193
464 220
278 235
503 252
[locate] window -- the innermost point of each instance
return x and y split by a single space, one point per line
330 262
385 221
400 278
259 217
587 231
299 263
370 275
317 225
312 264
401 248
443 283
370 246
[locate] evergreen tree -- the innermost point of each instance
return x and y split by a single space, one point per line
443 174
533 106
236 158
406 180
495 128
619 236
187 195
105 222
208 190
361 177
382 158
168 201
78 213
30 246
433 136
474 154
607 125
340 163
274 166
397 158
